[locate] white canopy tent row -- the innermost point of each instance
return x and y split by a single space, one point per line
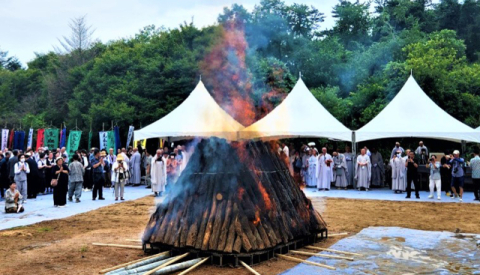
199 115
413 114
299 115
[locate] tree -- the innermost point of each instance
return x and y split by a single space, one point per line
79 41
10 63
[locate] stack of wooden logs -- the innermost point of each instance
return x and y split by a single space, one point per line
233 198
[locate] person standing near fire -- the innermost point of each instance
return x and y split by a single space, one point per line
171 170
458 178
363 170
312 167
119 176
412 175
21 170
325 171
340 170
157 172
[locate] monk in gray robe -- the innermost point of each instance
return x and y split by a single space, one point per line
378 170
340 170
349 157
363 171
398 172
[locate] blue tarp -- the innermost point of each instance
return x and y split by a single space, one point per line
395 250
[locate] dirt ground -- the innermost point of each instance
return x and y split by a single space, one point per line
65 246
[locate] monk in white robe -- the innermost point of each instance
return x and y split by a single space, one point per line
340 170
325 170
312 167
363 171
398 172
158 173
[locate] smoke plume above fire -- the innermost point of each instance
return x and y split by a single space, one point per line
226 72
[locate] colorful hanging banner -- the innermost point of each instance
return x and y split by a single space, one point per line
40 138
90 135
110 140
63 137
73 142
51 138
30 138
118 143
130 135
11 138
19 140
103 139
4 139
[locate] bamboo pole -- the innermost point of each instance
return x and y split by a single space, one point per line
132 262
194 266
293 259
338 234
321 255
133 240
249 268
331 250
118 245
178 258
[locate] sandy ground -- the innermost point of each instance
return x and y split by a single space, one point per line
64 246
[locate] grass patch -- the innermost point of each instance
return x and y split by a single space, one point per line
84 249
44 229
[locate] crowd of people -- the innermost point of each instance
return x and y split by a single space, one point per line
25 175
322 170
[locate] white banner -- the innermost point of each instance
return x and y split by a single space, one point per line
103 139
30 138
130 135
4 138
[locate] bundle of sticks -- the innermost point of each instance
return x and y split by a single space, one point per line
157 264
233 198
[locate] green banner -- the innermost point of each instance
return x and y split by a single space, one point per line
110 141
51 138
73 142
90 135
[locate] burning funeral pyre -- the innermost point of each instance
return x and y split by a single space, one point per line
234 201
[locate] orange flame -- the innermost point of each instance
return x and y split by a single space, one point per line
257 217
266 197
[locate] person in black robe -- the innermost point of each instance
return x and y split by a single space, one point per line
60 172
32 177
3 171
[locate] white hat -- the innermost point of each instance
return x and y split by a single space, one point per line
456 152
311 144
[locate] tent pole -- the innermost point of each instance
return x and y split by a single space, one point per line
354 157
464 147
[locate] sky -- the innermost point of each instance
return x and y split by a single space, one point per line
29 26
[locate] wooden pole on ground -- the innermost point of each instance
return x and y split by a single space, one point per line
133 240
194 266
132 262
293 259
332 250
338 234
178 258
320 255
249 268
118 245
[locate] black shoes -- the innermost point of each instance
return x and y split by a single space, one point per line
101 199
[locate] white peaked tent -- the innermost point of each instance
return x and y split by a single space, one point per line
413 114
299 115
198 116
478 129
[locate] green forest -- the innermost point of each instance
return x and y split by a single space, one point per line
254 58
